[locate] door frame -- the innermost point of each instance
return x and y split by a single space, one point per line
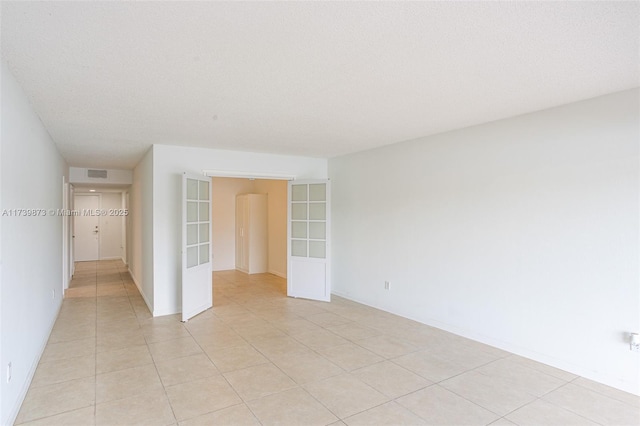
67 240
247 175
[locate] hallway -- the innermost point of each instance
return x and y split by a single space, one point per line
259 357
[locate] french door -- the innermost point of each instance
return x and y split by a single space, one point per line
196 245
309 242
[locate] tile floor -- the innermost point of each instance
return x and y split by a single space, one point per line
259 357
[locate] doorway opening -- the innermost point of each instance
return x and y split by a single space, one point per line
227 262
98 223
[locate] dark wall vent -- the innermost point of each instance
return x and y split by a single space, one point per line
101 174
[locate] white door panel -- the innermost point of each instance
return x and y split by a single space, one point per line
309 242
196 245
86 230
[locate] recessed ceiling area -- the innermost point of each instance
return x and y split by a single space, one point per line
321 79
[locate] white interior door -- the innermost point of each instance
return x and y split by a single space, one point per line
86 228
196 245
309 248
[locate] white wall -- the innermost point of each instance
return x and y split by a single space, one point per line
31 177
141 222
111 226
277 223
169 162
223 208
114 176
521 233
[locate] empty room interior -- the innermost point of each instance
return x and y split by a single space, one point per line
320 213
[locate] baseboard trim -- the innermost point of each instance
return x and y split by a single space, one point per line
144 296
278 274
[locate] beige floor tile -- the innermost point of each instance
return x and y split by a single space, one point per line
69 349
276 352
122 359
481 347
387 346
307 367
540 412
521 378
72 332
81 417
438 406
54 399
237 415
345 395
65 369
594 406
504 422
619 395
391 414
354 331
119 325
258 381
219 339
303 309
292 407
81 292
543 368
236 358
151 409
295 326
111 290
126 383
256 332
114 315
199 397
186 369
205 325
175 348
436 367
491 392
158 333
350 356
321 339
327 319
391 379
278 346
111 341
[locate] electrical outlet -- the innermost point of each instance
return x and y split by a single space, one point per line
387 285
8 372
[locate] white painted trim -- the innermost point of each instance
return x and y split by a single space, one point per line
248 175
278 274
32 371
144 296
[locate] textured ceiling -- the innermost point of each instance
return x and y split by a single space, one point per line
108 79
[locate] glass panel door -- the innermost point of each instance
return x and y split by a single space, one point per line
196 246
308 240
